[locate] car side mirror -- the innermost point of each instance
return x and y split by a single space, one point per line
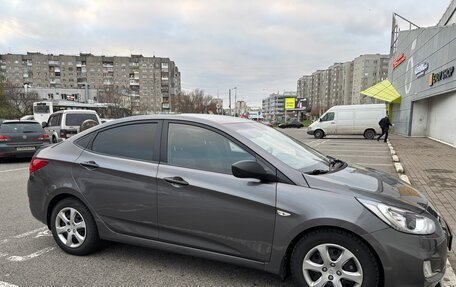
250 169
321 119
44 124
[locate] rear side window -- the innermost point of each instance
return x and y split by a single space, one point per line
21 128
132 141
78 119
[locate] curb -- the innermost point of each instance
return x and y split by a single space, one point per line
449 280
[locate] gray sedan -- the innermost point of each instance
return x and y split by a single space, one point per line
237 191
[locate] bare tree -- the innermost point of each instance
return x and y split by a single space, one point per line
19 99
193 102
117 100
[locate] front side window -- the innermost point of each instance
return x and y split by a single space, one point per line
54 120
328 117
134 141
203 149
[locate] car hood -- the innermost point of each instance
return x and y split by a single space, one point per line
369 183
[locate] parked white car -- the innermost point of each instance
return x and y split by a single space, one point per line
349 120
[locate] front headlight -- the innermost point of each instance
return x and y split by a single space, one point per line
400 219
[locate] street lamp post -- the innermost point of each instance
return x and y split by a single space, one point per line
229 92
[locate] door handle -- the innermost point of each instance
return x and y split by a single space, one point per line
176 180
90 165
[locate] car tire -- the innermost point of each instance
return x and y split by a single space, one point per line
308 266
369 134
74 228
319 134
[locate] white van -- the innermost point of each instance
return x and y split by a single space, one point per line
349 120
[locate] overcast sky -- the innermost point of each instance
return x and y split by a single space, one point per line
259 46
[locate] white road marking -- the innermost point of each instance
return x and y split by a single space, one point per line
3 254
351 150
30 256
30 232
3 241
16 169
44 233
4 284
450 278
379 164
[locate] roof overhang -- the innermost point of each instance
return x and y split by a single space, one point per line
383 91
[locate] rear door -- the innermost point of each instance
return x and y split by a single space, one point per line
202 205
117 174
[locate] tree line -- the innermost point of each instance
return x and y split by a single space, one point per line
15 101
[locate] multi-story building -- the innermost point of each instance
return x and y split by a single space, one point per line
367 71
150 82
274 106
342 83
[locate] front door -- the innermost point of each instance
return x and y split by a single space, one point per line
328 123
202 205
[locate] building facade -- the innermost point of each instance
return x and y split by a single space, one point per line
422 71
274 106
341 83
148 81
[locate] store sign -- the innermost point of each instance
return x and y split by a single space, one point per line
442 75
289 103
421 69
399 60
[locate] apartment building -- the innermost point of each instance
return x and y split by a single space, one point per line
341 83
274 106
148 81
368 70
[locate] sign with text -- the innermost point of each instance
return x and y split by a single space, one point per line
290 103
399 60
442 75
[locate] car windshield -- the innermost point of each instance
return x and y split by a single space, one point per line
78 119
20 128
293 153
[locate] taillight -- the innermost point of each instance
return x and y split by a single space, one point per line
63 134
43 137
37 164
4 138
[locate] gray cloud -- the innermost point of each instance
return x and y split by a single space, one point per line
259 46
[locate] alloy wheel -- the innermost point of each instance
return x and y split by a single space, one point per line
331 265
70 227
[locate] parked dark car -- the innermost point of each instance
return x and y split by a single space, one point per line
291 124
228 189
21 138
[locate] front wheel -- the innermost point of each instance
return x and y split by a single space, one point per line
74 228
319 134
330 257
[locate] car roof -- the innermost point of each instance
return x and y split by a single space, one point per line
76 112
20 121
199 118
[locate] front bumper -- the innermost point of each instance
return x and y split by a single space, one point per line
403 256
310 132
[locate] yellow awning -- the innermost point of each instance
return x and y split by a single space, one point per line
383 91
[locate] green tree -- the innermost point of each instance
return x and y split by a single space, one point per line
5 108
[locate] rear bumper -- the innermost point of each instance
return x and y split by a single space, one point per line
7 151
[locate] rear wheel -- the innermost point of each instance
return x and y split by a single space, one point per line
369 134
319 134
74 228
333 258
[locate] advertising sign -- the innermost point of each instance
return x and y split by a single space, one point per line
289 103
442 75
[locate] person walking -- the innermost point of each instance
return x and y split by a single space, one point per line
384 124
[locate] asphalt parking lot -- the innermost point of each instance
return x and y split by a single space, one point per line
29 256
